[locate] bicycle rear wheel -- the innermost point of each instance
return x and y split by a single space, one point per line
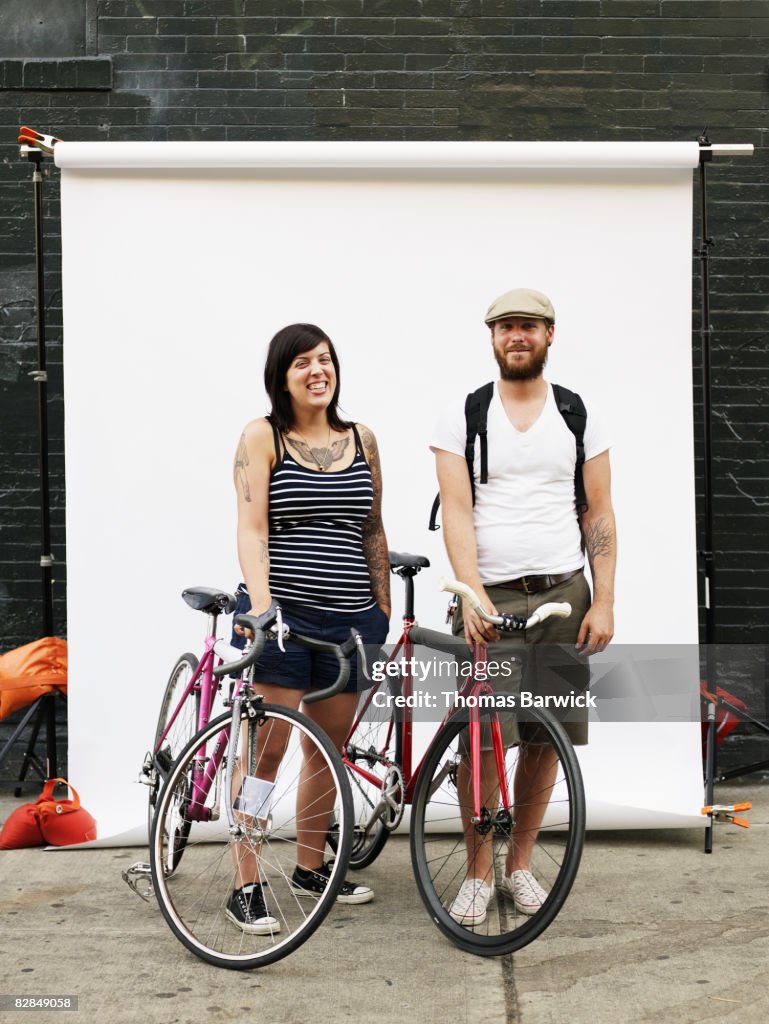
195 899
165 749
378 795
439 851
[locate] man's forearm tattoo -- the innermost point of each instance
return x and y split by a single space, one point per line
241 461
264 555
599 540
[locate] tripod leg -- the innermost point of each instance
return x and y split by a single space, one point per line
51 765
29 759
710 772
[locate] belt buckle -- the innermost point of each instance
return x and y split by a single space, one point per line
525 585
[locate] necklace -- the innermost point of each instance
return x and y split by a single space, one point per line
326 452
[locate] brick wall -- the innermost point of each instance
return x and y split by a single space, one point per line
405 69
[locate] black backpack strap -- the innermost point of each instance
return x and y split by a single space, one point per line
572 408
476 417
433 524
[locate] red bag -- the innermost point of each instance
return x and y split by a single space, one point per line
48 821
21 829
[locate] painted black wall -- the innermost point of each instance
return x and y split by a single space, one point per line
397 69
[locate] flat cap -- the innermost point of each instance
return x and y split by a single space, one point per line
521 302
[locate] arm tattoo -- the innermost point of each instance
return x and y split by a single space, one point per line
264 555
369 443
374 539
374 519
241 461
378 561
598 540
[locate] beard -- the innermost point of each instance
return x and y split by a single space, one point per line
530 370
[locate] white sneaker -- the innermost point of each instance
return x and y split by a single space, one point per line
470 903
524 890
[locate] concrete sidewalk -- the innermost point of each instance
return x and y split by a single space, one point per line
654 931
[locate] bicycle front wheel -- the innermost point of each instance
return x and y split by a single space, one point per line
296 794
541 831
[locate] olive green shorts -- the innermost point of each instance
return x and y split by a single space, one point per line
541 660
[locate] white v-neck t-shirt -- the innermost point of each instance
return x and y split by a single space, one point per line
525 516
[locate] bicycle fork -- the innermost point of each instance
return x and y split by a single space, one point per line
482 817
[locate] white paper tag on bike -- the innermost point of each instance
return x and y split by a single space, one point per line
254 797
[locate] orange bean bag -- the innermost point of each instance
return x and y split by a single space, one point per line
30 671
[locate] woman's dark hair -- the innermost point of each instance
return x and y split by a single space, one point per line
287 344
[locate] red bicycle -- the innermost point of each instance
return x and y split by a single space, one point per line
490 790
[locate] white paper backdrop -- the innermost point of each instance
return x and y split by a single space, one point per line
182 260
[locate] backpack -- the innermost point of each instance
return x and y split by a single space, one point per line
570 406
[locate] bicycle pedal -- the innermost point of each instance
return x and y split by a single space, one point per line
139 878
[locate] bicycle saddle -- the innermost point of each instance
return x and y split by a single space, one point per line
206 599
400 560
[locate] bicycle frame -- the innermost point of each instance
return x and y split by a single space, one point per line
473 687
203 777
203 682
206 688
206 768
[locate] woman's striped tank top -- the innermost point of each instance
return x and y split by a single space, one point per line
316 540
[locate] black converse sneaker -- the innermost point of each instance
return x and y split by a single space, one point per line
248 911
313 884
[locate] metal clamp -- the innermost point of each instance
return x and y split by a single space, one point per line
725 812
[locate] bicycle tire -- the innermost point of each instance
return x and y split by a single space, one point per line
439 856
194 898
368 840
373 746
183 729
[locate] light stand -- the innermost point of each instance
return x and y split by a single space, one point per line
35 147
707 152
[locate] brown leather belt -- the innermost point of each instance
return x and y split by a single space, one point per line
534 584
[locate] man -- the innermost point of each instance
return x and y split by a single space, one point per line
522 544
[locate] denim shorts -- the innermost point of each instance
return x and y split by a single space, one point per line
302 669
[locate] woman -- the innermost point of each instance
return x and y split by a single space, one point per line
310 537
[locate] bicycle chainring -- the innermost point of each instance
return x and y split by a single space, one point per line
394 796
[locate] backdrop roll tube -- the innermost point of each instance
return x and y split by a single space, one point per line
376 155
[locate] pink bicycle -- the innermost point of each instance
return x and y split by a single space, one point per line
226 805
